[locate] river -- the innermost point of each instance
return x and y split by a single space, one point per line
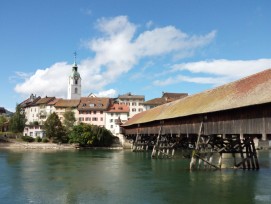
122 176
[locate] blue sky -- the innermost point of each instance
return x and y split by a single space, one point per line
143 46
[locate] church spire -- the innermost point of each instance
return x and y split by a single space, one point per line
75 54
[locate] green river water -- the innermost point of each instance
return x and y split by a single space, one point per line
122 176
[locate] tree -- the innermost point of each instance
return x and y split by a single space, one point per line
3 119
90 135
17 121
69 120
54 129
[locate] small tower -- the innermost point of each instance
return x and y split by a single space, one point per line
74 84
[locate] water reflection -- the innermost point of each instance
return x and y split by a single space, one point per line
124 177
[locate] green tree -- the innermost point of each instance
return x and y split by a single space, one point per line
69 120
90 135
17 121
54 129
3 119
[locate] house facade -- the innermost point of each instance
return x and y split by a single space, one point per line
92 110
135 103
116 115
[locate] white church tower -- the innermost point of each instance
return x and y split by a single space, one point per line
74 85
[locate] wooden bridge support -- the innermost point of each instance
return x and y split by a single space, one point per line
242 151
163 148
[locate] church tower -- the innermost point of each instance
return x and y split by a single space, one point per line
74 85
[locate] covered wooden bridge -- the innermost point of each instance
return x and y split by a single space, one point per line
225 119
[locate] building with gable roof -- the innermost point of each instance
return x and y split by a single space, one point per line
133 101
166 98
116 115
92 110
63 105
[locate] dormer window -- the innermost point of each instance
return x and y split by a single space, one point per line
91 105
84 105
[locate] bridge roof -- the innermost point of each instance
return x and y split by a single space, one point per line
249 91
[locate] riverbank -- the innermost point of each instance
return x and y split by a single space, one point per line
46 146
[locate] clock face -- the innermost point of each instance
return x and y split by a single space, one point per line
76 77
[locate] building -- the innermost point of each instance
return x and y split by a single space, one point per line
166 98
63 105
116 115
135 103
92 110
74 83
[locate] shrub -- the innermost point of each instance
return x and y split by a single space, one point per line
28 139
38 139
45 140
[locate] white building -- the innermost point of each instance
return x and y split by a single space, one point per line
116 115
135 103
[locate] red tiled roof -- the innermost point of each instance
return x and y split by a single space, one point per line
118 108
252 90
91 103
53 102
155 101
45 100
67 103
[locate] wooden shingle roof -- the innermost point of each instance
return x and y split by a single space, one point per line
249 91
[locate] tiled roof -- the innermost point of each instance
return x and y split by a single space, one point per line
169 97
155 101
118 108
131 96
45 100
174 95
67 103
91 103
53 102
29 102
249 91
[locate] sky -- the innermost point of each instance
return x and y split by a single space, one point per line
145 47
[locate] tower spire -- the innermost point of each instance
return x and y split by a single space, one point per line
75 54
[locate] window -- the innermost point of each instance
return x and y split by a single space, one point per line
76 81
101 112
92 105
111 120
133 104
111 126
75 90
81 119
94 112
88 119
102 119
94 119
112 114
133 110
140 110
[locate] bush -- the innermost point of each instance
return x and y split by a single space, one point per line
28 139
45 140
38 139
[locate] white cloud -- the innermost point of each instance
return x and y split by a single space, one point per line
218 71
51 81
149 24
117 51
108 93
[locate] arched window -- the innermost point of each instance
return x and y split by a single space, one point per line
76 82
75 90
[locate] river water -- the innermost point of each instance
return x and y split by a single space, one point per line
121 176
